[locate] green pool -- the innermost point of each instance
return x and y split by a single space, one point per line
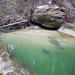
42 51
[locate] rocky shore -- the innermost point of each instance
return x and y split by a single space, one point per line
68 28
9 66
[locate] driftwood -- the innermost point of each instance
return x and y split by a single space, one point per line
12 24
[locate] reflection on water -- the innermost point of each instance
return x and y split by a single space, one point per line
10 47
53 67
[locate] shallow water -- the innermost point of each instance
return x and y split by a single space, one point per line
44 52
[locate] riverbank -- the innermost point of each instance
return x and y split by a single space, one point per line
68 28
9 66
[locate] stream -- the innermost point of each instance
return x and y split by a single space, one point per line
44 52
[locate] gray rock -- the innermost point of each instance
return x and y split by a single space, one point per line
51 18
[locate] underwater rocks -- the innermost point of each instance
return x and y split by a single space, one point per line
54 42
45 52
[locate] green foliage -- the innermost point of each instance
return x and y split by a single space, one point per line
1 73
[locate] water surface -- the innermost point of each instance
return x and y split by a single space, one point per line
44 52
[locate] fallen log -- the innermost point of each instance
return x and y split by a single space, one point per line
12 24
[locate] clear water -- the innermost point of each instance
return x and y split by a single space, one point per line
44 52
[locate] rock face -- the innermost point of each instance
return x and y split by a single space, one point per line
51 18
70 8
47 21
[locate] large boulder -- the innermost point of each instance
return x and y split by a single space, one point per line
47 21
51 18
70 9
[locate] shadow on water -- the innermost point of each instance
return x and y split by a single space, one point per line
71 69
45 52
61 48
53 41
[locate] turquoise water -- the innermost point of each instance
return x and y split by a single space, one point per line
44 52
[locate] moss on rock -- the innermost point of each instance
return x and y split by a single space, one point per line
48 21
